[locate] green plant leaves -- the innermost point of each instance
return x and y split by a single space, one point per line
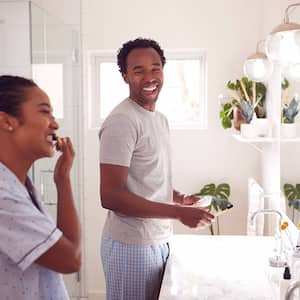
219 193
285 84
292 193
223 190
226 115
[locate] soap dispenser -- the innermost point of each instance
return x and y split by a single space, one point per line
295 263
284 282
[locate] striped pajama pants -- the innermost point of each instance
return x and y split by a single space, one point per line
133 272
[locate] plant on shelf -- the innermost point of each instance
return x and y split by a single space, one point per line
245 98
292 194
290 111
289 107
220 194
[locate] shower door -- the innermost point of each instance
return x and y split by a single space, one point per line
56 69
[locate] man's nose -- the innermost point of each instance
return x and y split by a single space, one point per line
148 76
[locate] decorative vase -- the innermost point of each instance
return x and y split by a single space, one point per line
237 118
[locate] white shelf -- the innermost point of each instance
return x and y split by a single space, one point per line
254 140
290 140
264 139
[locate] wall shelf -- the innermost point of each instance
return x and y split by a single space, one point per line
238 137
260 140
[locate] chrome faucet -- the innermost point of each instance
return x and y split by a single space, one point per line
276 261
269 212
290 290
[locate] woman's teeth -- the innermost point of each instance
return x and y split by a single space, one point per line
51 138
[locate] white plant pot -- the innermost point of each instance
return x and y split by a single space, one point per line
248 131
288 130
263 127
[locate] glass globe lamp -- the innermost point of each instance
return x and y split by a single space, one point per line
258 67
292 72
283 44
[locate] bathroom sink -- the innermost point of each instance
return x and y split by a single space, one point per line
220 267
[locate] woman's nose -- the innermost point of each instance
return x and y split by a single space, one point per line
54 123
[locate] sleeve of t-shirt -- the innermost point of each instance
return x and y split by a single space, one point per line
118 137
25 232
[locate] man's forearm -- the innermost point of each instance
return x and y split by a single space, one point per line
133 205
178 197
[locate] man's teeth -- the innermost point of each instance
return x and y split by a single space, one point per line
149 89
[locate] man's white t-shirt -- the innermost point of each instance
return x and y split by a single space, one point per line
134 137
26 232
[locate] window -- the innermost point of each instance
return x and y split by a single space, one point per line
50 78
182 98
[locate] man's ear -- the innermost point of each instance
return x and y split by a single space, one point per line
7 122
124 75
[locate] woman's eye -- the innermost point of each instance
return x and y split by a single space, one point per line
46 112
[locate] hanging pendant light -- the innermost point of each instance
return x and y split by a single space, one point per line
258 67
283 43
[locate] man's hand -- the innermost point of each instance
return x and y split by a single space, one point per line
190 199
194 216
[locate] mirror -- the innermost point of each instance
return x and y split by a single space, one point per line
56 69
290 175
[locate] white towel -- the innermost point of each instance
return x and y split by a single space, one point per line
255 203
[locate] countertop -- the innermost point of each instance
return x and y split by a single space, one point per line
220 267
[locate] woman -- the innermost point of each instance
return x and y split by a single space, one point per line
33 250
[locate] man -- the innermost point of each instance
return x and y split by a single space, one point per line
136 181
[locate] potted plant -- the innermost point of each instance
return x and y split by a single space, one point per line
290 109
246 97
292 194
220 194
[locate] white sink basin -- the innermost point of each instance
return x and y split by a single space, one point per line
220 267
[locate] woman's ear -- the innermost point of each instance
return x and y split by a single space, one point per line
7 122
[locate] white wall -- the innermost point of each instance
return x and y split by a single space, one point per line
228 30
15 39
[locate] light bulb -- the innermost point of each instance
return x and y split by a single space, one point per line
258 69
284 46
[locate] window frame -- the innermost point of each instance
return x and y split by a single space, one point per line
96 57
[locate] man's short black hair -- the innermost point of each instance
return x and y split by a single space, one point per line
137 43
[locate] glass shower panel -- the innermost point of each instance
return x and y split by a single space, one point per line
57 72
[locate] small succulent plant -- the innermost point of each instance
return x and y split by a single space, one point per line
248 96
247 110
290 111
